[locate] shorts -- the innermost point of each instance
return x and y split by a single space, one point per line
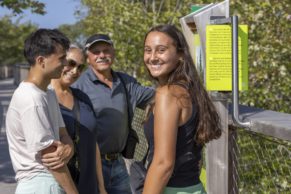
195 189
43 183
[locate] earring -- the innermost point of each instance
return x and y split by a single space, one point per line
181 60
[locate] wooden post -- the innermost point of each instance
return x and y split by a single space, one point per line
217 152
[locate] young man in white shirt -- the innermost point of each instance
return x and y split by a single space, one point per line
34 125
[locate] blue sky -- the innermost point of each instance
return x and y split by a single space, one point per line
58 12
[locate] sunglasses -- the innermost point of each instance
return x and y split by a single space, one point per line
72 64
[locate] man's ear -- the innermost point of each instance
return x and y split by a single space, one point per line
40 60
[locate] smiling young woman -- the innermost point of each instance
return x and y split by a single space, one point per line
181 119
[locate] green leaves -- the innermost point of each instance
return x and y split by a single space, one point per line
269 53
12 36
269 40
17 6
127 22
74 32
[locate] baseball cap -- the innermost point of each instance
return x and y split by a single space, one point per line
98 38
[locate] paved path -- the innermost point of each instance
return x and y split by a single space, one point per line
7 182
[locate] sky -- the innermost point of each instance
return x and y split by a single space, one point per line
58 12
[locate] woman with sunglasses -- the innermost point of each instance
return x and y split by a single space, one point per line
85 165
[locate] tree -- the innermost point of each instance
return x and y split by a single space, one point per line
269 88
74 32
269 52
12 36
126 22
17 6
269 40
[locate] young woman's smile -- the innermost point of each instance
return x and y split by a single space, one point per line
160 55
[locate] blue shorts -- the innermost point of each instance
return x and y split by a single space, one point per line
43 183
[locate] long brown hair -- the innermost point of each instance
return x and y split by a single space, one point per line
185 74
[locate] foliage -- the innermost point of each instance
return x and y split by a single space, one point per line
264 164
12 36
269 52
74 32
127 22
17 6
269 60
269 56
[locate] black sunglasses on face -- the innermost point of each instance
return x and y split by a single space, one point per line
72 64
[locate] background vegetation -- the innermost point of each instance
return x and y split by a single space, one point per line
126 21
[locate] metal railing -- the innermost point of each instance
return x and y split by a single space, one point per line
6 71
20 72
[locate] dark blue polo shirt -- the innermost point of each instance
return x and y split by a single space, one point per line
110 106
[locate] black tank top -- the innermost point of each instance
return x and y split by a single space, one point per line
188 152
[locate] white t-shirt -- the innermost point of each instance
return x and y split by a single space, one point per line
32 124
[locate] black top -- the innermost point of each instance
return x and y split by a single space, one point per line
188 153
110 106
87 142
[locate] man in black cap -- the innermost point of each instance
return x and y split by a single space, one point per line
108 91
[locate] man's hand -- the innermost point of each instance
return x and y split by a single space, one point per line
57 158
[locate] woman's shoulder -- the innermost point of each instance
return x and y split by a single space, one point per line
172 91
174 95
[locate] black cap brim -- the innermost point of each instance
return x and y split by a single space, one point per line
87 46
